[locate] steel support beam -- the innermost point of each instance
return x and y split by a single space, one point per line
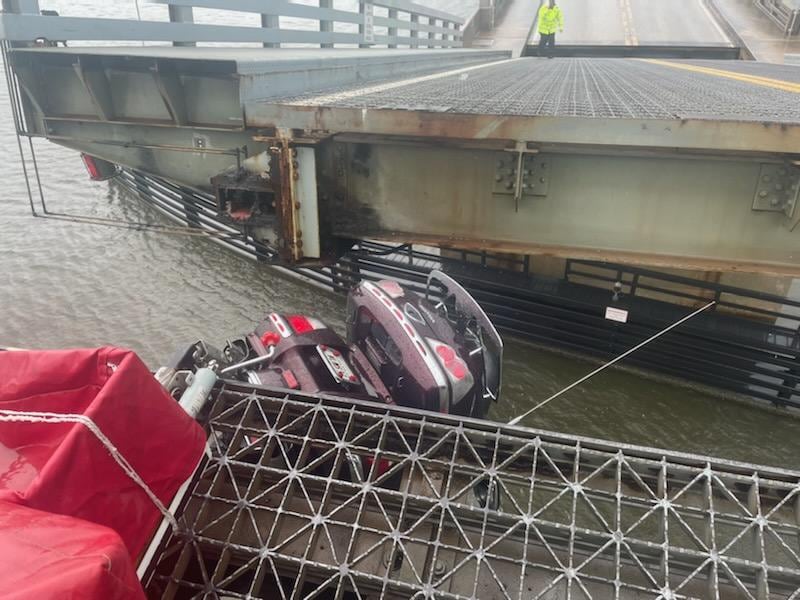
187 156
672 210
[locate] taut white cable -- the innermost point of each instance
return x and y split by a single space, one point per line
13 416
516 420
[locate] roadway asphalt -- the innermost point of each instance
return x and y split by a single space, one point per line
639 22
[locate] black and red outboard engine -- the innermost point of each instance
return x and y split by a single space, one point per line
438 353
302 353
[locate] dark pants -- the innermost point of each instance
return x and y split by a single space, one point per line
547 44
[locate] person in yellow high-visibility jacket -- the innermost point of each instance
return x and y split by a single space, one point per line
551 19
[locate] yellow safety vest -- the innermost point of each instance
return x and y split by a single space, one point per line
550 19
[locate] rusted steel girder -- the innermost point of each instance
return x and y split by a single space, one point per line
672 209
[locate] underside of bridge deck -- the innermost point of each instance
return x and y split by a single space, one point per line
689 164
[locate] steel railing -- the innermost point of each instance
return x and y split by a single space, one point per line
390 23
783 14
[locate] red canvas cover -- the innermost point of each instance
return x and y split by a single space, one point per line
64 469
49 557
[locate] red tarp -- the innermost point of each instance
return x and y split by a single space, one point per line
65 470
48 556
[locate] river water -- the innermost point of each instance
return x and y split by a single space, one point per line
65 285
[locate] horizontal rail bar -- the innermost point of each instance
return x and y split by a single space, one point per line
290 9
413 7
687 281
25 28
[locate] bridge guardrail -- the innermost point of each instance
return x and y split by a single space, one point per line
391 23
782 14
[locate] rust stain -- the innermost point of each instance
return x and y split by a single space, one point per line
728 136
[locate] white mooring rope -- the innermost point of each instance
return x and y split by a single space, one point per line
13 416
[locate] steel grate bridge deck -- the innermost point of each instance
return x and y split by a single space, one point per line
306 497
593 88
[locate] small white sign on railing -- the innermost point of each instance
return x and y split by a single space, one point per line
369 23
617 314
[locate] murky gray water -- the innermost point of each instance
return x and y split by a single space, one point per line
63 284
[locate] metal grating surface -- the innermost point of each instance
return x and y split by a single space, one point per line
580 87
282 510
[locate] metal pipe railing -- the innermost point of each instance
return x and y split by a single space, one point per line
390 23
783 15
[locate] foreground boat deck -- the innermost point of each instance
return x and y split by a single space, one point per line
319 497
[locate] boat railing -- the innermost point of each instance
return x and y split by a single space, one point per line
382 23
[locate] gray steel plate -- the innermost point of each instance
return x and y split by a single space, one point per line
579 87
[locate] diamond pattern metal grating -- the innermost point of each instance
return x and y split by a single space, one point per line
580 87
306 497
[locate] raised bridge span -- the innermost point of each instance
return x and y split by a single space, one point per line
679 163
663 162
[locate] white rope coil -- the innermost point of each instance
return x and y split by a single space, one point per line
12 416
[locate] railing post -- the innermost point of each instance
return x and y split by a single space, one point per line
271 22
445 36
181 14
367 27
21 6
414 33
326 26
392 30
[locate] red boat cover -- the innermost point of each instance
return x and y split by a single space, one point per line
64 469
49 556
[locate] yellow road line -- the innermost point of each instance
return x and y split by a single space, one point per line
778 84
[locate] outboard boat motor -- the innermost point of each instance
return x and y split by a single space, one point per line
439 352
